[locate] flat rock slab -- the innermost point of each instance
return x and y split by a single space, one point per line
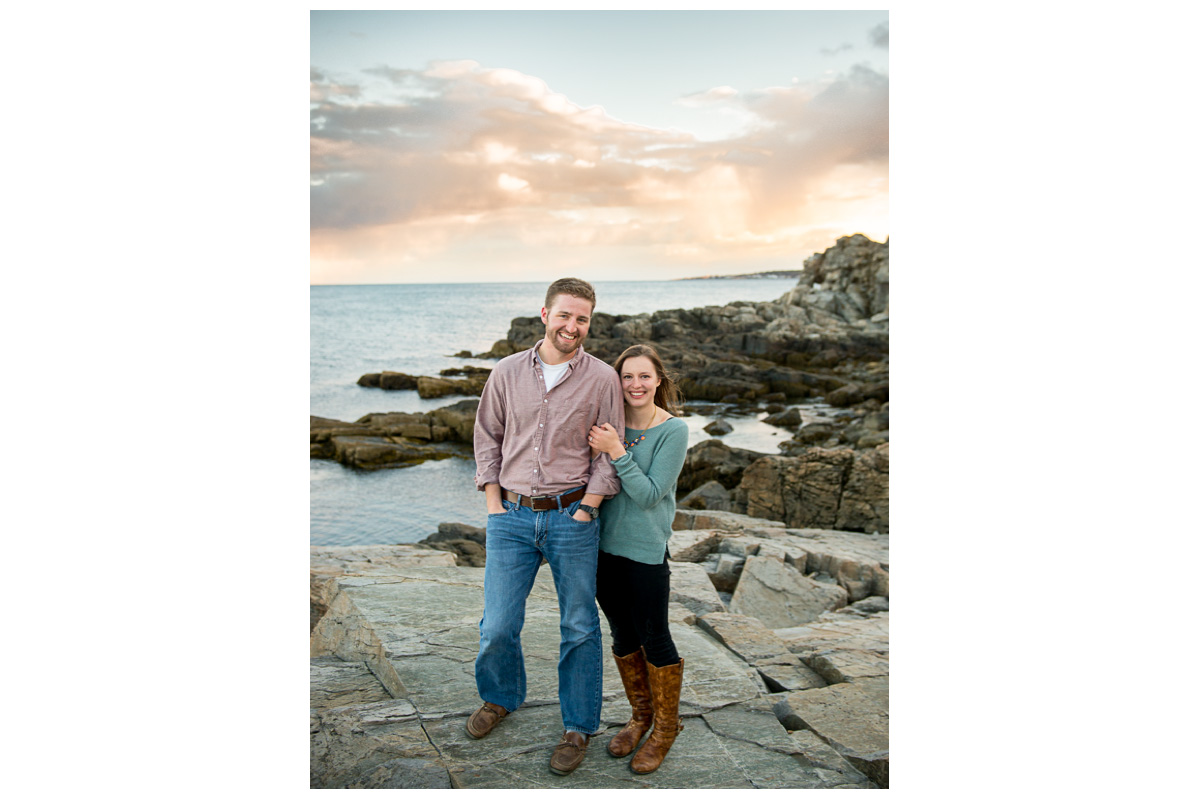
373 746
745 636
859 561
838 631
692 545
688 519
781 595
822 767
333 683
327 563
851 717
691 588
866 547
417 630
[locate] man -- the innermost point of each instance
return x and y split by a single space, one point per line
543 493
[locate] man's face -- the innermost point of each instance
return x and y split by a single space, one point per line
567 322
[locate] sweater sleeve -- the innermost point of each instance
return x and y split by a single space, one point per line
647 488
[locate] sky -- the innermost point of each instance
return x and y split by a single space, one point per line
474 146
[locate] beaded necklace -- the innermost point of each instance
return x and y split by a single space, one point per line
628 444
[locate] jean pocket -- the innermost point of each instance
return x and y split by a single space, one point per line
508 507
570 512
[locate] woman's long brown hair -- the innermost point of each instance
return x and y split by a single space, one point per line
667 396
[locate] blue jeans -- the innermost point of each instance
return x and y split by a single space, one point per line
516 542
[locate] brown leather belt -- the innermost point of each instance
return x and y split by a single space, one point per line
544 502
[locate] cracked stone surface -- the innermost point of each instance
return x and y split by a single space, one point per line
373 746
746 636
851 717
857 562
416 631
837 631
333 683
691 588
328 563
781 595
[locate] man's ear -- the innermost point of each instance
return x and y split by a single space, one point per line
544 315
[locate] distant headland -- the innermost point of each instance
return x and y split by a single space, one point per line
779 273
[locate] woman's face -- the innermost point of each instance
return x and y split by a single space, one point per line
639 381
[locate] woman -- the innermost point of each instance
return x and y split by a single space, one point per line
632 576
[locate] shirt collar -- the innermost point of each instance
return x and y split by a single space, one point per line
575 359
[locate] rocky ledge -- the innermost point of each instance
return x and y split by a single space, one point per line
827 338
396 439
784 634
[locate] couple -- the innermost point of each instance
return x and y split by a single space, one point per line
558 433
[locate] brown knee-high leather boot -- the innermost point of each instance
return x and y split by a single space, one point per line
665 683
637 689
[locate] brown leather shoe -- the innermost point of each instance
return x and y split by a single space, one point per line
637 689
665 685
480 723
569 752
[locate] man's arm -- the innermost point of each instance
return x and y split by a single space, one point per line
492 492
603 481
489 436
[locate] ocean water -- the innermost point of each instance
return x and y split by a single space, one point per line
417 329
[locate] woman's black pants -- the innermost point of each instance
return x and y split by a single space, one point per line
633 597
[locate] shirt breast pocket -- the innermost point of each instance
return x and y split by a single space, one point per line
575 427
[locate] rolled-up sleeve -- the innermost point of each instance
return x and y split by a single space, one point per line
489 432
603 479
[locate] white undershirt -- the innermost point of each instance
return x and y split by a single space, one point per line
552 372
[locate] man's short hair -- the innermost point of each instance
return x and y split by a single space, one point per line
572 286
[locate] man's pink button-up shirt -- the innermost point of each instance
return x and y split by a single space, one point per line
532 441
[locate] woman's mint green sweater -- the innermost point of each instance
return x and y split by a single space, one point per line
637 522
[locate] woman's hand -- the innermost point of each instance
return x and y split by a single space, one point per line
604 438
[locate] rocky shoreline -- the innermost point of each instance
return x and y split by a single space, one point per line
780 576
826 341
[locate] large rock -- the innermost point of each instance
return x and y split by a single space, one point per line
378 452
820 488
803 491
713 460
782 596
459 419
851 717
849 279
744 635
327 564
333 683
692 545
838 631
691 588
857 561
379 745
864 505
711 496
395 439
724 570
689 519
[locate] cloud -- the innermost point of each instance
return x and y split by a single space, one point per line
879 35
833 51
458 155
715 95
